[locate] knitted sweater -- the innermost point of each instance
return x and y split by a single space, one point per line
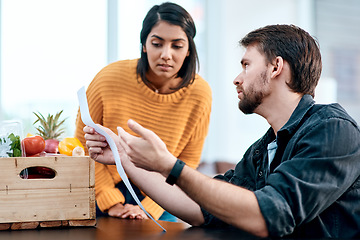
180 119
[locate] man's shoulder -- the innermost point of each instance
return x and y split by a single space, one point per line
331 111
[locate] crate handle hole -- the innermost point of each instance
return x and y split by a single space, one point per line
38 172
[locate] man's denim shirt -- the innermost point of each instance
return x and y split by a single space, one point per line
312 188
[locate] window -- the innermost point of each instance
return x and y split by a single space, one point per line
49 49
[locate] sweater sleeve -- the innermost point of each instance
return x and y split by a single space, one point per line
152 207
191 154
107 195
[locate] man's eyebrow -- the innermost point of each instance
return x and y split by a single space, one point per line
243 60
174 40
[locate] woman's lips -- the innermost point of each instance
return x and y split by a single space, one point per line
164 67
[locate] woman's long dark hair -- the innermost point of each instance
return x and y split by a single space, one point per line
175 15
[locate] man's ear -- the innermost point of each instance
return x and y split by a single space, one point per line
277 67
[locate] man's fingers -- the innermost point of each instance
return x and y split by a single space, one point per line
138 129
123 135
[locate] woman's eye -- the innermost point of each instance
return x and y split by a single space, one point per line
177 46
156 44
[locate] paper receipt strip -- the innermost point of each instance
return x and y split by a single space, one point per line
85 117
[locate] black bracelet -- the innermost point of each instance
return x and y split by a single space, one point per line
175 172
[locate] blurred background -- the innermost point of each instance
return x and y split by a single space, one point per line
51 48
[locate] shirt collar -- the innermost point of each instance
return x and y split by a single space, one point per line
290 126
302 108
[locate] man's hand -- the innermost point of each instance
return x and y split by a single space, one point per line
127 211
147 151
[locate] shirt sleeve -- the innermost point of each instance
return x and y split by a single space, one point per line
191 154
323 164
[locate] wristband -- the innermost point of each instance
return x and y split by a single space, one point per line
175 172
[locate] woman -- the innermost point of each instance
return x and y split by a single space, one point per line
161 91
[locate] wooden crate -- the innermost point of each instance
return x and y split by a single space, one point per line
68 199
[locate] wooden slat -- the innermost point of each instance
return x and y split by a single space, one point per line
4 226
24 225
47 205
79 223
71 172
49 224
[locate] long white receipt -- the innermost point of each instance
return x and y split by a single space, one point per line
85 117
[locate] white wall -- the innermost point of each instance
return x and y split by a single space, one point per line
225 23
231 132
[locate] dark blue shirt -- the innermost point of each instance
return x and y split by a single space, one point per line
312 188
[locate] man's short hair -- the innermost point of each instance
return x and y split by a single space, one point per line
296 47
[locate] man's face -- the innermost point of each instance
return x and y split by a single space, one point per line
252 83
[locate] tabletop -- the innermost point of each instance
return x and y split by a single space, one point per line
109 228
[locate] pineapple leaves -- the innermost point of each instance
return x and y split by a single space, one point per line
49 127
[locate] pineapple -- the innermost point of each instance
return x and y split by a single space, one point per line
50 129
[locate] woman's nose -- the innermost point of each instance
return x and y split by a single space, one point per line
166 53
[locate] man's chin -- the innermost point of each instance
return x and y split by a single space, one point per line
246 108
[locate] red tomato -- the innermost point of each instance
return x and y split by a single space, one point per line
33 145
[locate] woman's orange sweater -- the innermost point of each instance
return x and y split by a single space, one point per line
180 119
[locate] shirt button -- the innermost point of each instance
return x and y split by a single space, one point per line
257 151
260 174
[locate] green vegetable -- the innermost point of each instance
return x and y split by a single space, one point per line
15 146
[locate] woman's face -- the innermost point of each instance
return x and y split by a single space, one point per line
166 46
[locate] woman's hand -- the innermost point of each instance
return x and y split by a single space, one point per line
127 211
147 151
98 147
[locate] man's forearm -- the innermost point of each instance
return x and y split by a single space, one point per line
171 198
232 204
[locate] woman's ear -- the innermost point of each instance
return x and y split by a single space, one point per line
278 65
144 49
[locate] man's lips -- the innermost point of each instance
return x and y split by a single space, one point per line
239 92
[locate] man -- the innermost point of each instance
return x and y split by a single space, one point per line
301 179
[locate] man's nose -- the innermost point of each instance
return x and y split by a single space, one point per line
237 80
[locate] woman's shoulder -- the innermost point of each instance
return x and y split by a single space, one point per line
200 86
115 74
128 65
116 71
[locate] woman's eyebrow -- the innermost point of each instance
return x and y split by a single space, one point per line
174 40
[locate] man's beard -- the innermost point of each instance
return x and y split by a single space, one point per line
253 98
